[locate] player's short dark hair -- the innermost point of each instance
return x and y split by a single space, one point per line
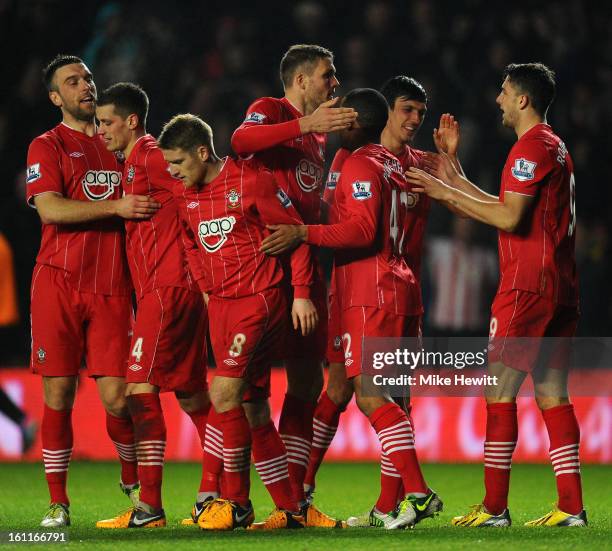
301 55
373 110
58 61
186 132
403 87
127 98
535 80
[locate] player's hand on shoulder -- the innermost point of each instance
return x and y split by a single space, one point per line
284 237
304 315
328 118
446 136
136 207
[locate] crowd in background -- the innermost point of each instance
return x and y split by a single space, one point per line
213 58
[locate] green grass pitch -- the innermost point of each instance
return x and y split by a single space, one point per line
344 490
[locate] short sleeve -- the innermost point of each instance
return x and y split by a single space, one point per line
261 111
43 172
528 164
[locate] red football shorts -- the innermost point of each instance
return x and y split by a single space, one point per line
311 347
358 322
520 320
246 336
168 347
69 327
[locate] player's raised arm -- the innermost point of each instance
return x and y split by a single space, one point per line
262 130
446 139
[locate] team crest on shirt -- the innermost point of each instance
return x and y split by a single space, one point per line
283 198
255 117
33 173
361 191
332 180
309 175
524 170
233 199
215 230
100 184
41 355
131 172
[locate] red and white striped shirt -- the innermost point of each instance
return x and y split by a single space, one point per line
540 256
156 253
297 163
226 219
369 232
79 167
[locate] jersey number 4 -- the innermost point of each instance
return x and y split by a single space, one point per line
396 218
137 349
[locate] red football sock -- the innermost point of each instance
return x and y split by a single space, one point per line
212 458
121 432
501 435
391 485
150 437
324 426
295 428
56 431
270 458
236 455
396 436
564 435
199 420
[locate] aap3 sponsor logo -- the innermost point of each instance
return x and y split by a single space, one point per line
309 175
216 229
100 184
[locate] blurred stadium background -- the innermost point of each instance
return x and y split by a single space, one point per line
213 58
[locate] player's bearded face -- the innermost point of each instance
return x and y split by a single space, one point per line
76 91
406 118
321 84
508 100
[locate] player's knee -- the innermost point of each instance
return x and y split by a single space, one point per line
548 402
340 393
304 379
368 404
225 397
116 404
257 413
192 402
508 382
59 393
